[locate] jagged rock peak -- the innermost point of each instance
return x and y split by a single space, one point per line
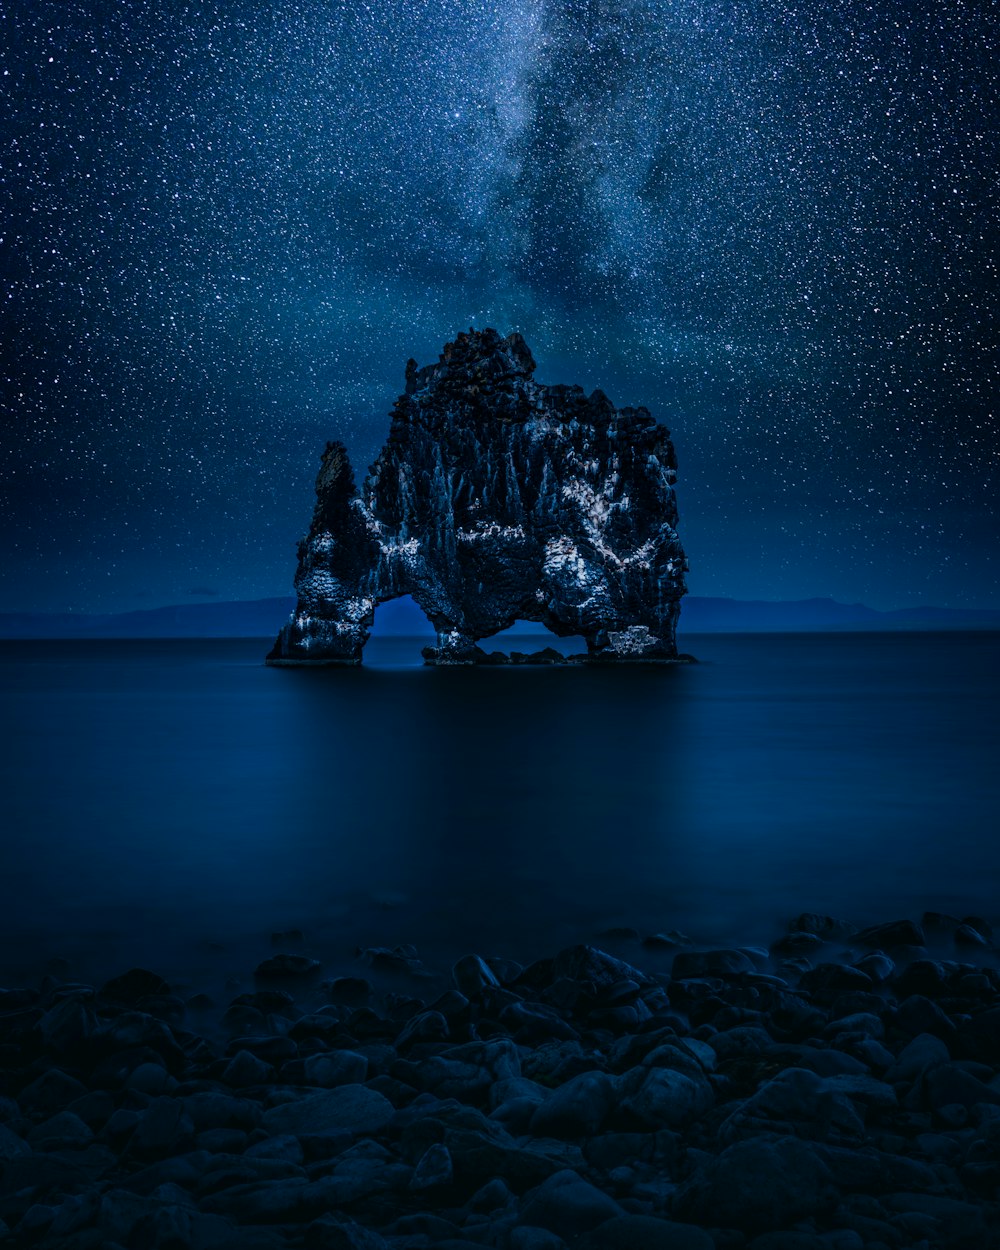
496 498
474 359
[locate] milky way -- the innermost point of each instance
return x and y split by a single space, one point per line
226 227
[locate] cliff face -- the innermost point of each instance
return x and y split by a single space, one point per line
495 499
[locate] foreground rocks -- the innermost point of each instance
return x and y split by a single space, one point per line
840 1093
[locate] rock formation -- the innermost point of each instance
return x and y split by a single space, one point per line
496 499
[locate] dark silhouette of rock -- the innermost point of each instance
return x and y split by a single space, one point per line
496 499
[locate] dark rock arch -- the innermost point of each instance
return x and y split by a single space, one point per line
494 499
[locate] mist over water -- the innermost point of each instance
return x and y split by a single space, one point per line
173 803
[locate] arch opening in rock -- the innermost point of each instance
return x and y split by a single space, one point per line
401 617
527 642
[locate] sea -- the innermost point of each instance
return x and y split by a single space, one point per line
179 806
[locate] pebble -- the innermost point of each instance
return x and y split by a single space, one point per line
667 1098
285 967
720 963
577 1108
11 1145
568 1205
759 1186
434 1168
350 1107
745 1102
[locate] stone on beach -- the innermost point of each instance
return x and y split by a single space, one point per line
350 1107
576 1103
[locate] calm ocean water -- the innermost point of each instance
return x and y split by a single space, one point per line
173 803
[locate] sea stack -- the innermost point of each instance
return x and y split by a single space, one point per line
496 499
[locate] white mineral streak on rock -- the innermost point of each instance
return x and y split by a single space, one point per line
641 557
582 582
400 547
357 609
636 640
493 530
563 559
594 505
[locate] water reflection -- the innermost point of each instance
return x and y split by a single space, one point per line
156 797
504 803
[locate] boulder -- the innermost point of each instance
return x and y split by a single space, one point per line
351 1107
758 1186
568 1205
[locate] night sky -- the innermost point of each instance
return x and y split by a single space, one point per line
225 227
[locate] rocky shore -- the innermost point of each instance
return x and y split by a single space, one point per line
839 1091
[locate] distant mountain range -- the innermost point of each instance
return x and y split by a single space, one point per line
261 618
709 616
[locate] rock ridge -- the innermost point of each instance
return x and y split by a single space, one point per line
496 498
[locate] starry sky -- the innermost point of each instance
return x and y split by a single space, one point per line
226 225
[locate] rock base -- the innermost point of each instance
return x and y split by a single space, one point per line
614 658
324 662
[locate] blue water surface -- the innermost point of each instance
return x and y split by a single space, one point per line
174 803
